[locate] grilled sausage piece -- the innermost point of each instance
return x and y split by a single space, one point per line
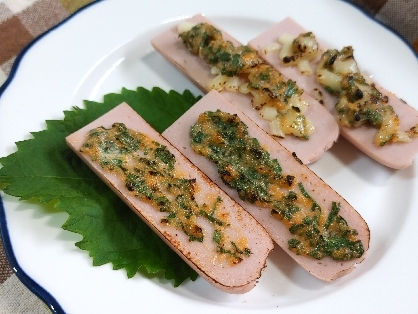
394 155
326 268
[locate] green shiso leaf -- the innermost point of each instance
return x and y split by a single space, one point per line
46 169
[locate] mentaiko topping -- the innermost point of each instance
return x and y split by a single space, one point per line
359 102
149 172
239 69
245 166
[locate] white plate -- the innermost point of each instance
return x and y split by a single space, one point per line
106 47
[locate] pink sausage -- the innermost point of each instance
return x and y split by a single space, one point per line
238 278
393 155
326 133
326 269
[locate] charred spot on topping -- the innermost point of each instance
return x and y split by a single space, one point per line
301 48
331 60
256 152
289 179
237 260
289 59
358 93
130 186
267 91
194 232
413 131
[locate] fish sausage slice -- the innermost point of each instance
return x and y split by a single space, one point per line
201 256
326 269
393 155
326 129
